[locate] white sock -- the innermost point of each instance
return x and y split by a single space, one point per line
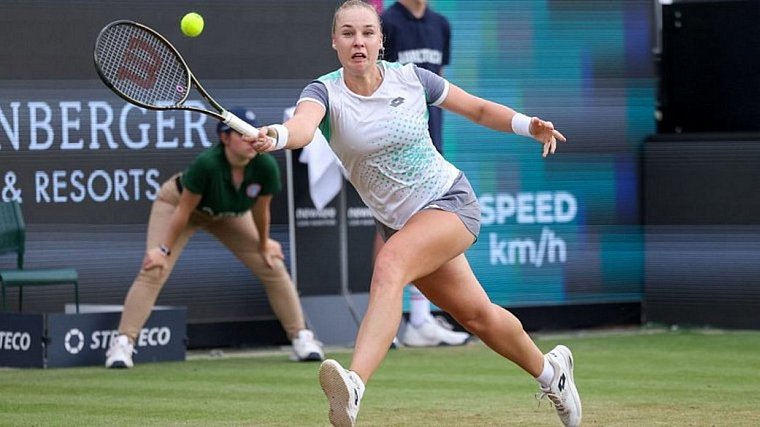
545 379
419 311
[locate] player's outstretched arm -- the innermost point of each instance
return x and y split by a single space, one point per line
295 133
502 118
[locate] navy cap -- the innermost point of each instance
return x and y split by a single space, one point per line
243 113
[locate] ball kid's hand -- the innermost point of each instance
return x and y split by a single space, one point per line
271 252
154 258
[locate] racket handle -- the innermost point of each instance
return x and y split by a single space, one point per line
239 124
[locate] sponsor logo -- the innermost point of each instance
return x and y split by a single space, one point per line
421 56
73 342
18 341
253 190
141 64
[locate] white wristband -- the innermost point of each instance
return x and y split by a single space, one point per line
521 124
281 139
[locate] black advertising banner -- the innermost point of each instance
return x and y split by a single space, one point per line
21 340
318 235
361 235
63 340
82 339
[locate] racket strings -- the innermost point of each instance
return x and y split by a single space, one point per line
141 66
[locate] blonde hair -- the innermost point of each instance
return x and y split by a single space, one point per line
355 3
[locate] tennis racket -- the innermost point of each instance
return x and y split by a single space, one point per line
143 68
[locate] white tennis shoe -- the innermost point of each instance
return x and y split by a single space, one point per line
119 354
344 390
306 348
562 391
434 332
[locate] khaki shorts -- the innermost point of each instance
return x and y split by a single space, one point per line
460 200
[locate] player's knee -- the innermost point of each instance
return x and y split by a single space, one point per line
390 267
482 319
387 276
472 320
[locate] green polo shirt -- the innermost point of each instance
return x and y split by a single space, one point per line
210 175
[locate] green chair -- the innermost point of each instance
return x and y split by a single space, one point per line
12 240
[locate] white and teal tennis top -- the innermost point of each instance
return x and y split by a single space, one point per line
383 139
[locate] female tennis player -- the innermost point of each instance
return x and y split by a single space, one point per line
373 113
227 191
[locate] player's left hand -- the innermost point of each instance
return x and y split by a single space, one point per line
271 252
544 132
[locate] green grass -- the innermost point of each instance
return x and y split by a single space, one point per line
646 378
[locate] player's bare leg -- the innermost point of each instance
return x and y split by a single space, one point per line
454 288
415 251
426 242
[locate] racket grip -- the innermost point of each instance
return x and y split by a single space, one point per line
239 124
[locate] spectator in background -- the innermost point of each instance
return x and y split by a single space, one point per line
227 191
414 33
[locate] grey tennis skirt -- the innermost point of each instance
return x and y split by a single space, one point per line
460 200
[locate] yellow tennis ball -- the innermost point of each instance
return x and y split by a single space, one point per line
191 24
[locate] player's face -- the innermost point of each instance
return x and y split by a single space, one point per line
357 38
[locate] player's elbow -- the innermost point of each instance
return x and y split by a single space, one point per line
477 115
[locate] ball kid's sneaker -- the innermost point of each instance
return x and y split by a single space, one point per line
119 354
306 348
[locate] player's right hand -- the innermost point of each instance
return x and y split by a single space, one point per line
262 142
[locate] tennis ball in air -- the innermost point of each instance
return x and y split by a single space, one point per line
192 24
